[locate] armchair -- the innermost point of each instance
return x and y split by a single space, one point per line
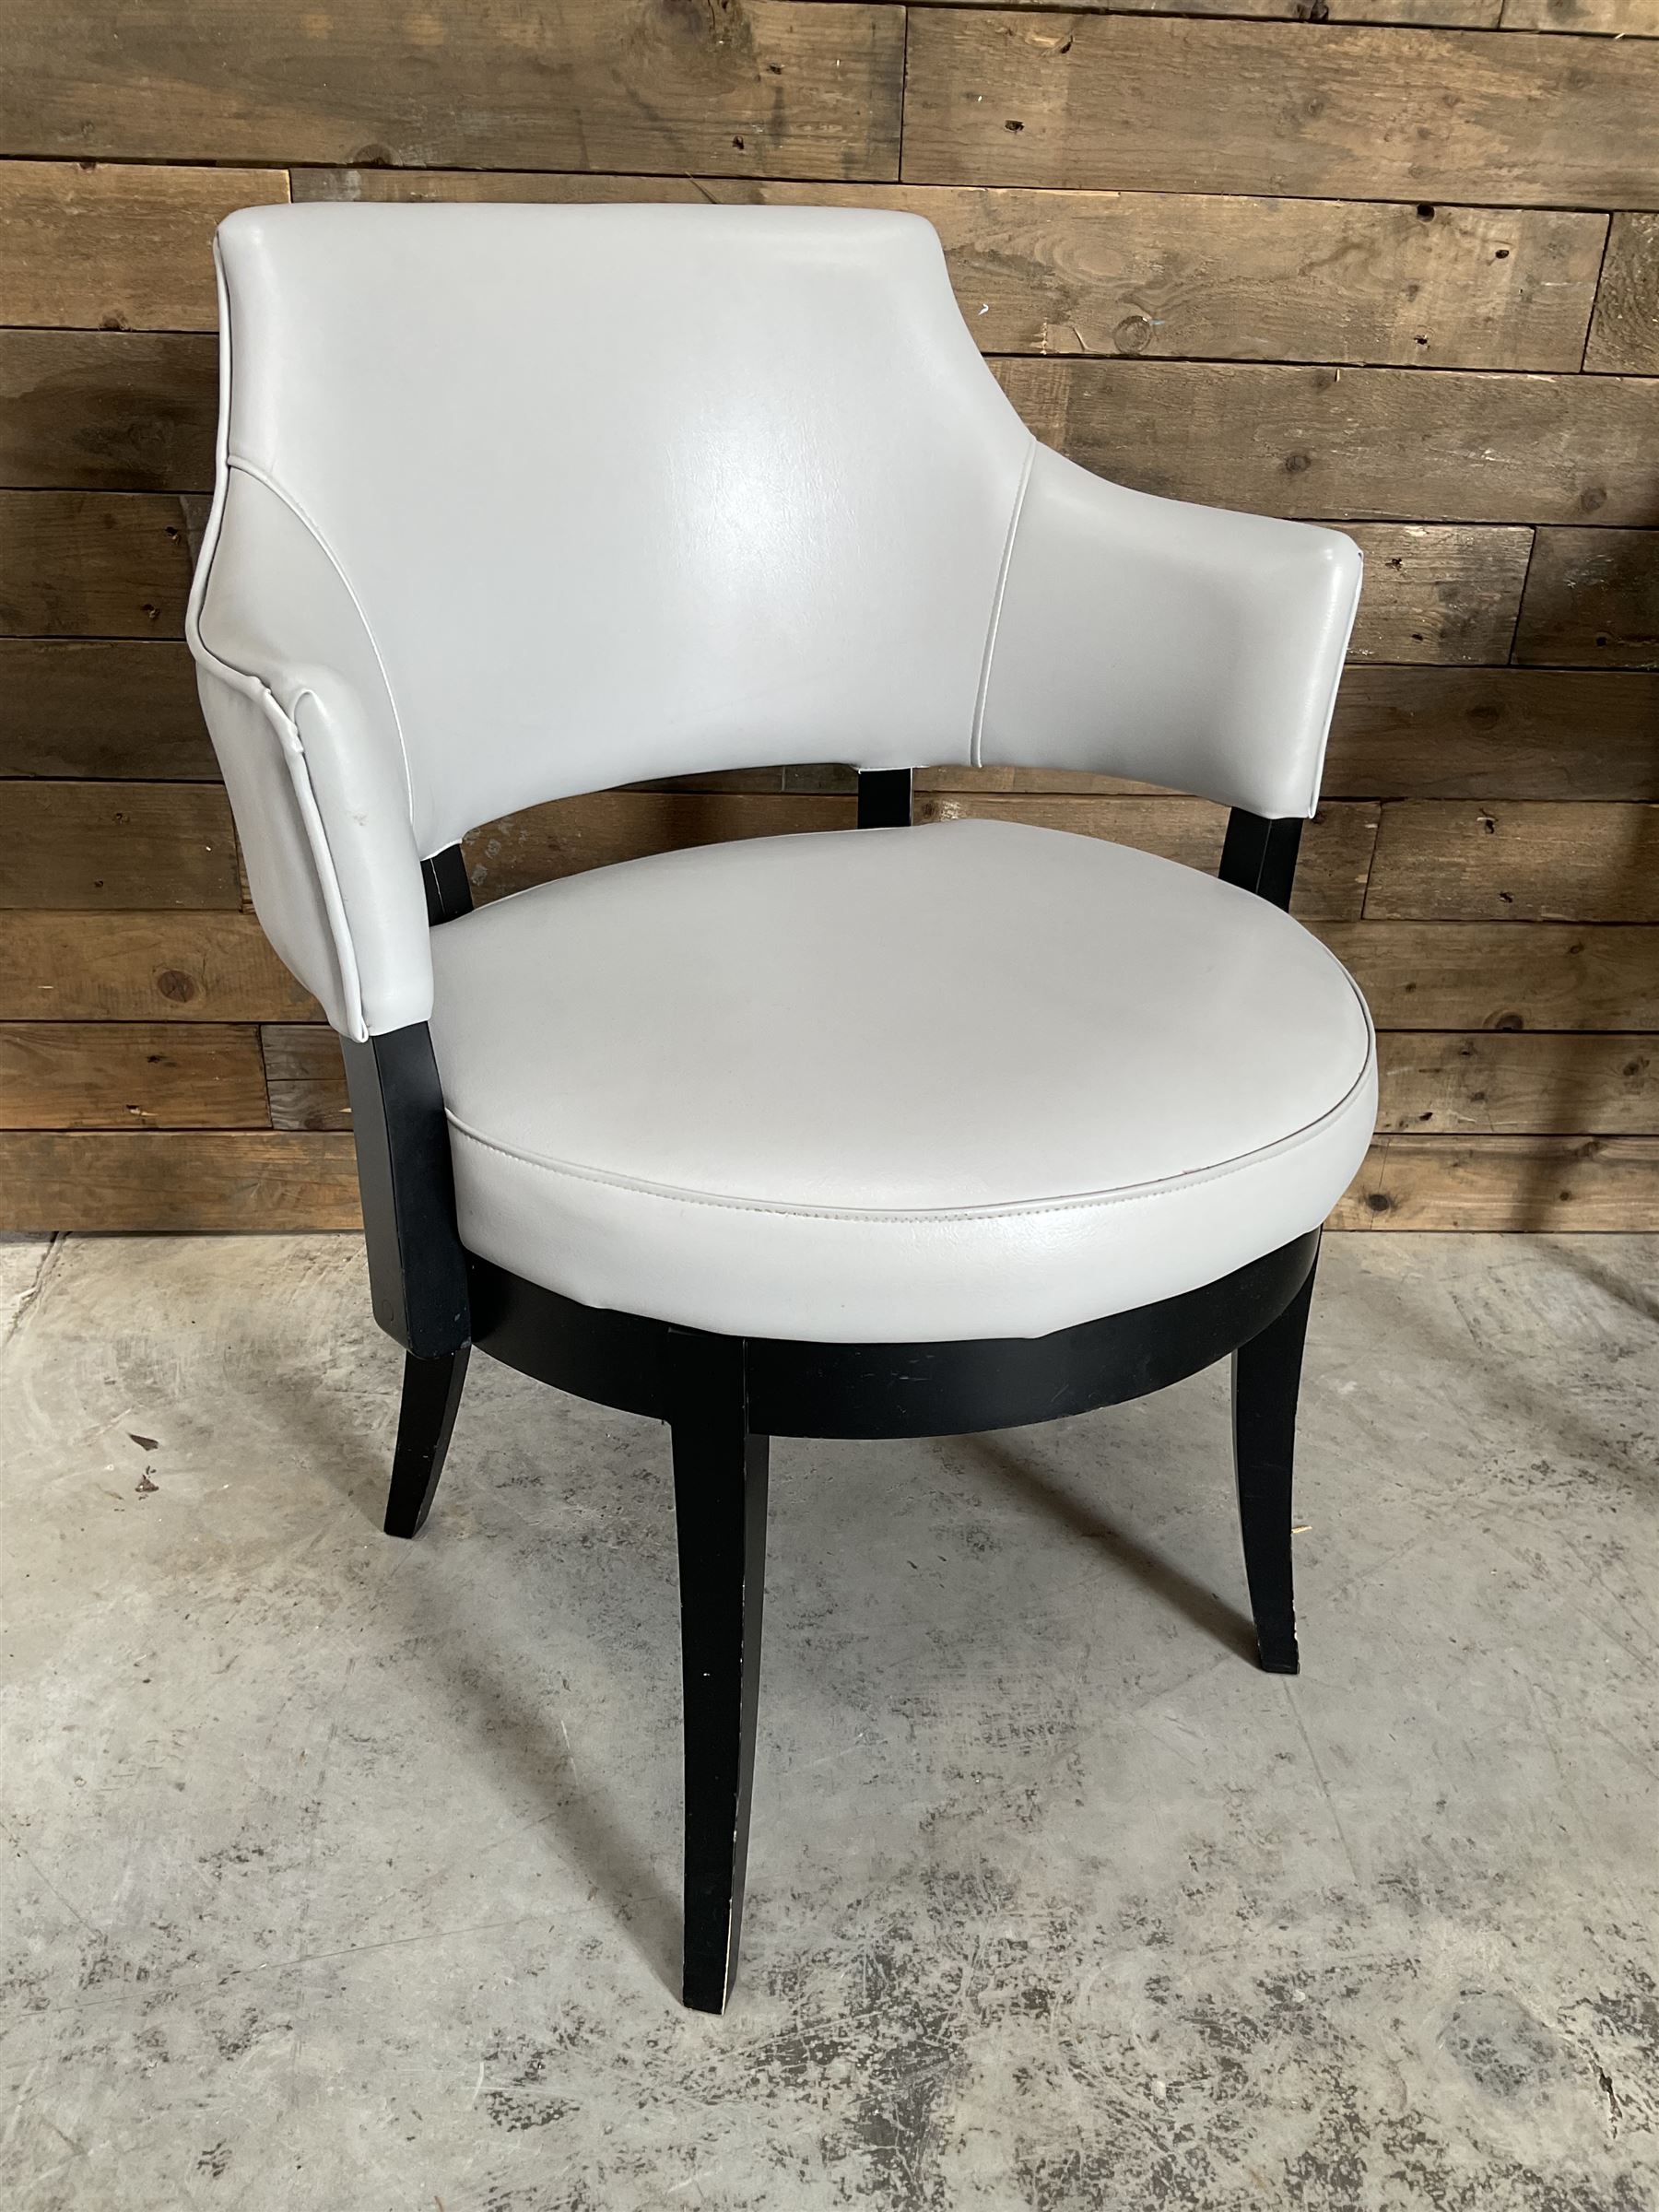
888 1132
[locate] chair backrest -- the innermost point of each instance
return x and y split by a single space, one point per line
616 491
519 501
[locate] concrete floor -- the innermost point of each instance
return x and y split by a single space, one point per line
341 1872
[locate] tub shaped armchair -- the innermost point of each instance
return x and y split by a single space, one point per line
886 1131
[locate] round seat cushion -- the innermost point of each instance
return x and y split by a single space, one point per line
972 1080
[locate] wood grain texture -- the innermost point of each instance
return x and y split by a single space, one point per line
1328 445
93 564
571 187
1592 599
1487 975
1609 18
1494 734
106 707
177 1180
571 835
84 247
1330 878
104 845
1225 279
1481 15
1449 860
1505 1182
107 410
305 1077
180 967
130 1076
1624 333
1494 1083
742 87
1135 103
1439 592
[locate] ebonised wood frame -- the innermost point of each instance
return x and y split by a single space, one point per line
725 1397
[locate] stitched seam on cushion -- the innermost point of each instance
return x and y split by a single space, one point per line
1126 1197
976 741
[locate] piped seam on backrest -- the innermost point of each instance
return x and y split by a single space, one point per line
976 741
221 441
224 463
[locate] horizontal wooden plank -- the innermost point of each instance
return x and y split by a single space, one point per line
1331 873
593 831
1624 333
1505 1182
1593 598
177 1180
118 1075
1269 279
751 778
305 1077
1499 1083
1451 860
93 564
144 967
1384 444
996 96
107 410
85 247
1486 975
573 187
572 835
1223 277
1609 18
88 844
104 707
771 88
1481 15
1439 592
1494 734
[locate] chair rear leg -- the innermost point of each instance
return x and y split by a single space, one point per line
431 1397
1266 1379
719 1478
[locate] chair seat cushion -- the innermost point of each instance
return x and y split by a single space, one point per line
970 1079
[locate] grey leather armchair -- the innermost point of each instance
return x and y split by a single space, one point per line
897 1131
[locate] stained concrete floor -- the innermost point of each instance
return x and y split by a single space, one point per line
341 1872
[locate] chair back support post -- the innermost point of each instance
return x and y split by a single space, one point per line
884 798
1259 854
448 888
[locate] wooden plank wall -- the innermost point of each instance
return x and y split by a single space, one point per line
1388 263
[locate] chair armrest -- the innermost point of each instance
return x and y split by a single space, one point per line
307 737
1181 645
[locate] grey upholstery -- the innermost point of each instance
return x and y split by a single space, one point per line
968 1079
517 503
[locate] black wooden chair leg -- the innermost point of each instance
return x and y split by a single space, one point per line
1267 1378
720 1474
431 1395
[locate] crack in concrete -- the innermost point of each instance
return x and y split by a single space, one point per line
26 1305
